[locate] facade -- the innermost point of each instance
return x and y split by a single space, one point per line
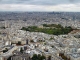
20 56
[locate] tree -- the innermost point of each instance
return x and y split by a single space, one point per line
63 56
5 50
49 58
43 57
21 50
34 57
19 43
38 57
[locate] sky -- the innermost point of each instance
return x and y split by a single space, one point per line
40 5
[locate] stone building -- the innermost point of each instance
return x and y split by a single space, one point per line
20 56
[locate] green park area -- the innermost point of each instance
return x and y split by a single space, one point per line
49 29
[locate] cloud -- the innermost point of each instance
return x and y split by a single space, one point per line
39 2
39 5
23 7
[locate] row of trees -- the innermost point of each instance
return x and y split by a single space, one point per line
52 25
